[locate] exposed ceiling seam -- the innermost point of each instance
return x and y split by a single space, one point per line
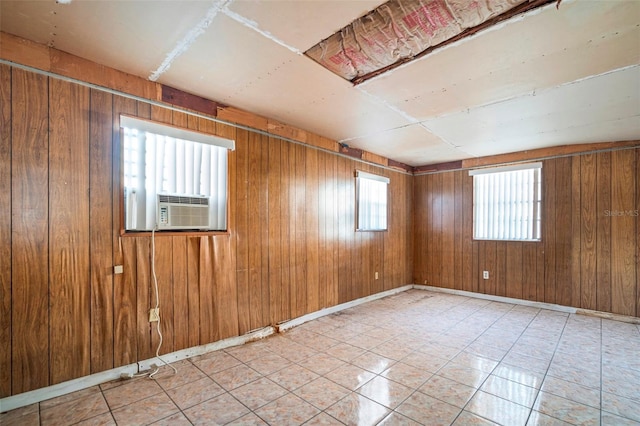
534 92
184 44
254 26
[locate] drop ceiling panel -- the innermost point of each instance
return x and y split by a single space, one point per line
597 109
301 24
412 144
132 36
548 48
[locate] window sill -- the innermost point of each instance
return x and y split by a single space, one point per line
173 233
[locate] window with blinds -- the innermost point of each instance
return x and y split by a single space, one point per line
507 203
163 164
371 195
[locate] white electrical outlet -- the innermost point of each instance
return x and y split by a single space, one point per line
118 269
485 275
154 314
376 275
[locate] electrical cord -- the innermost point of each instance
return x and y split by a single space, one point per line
157 308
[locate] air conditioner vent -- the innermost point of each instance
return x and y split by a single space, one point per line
183 212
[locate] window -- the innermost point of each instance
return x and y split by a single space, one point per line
506 203
173 178
371 195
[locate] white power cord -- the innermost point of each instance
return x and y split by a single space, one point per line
157 308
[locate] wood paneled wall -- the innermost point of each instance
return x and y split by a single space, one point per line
590 247
291 248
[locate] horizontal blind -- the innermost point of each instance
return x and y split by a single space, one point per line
506 204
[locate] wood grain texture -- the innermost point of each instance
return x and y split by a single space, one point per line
588 235
603 239
100 228
29 231
125 316
5 230
623 230
586 256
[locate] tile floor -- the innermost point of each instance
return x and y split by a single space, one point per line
414 358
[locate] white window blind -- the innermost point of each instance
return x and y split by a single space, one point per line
507 203
372 201
160 163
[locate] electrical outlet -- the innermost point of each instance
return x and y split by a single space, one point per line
118 269
154 314
485 275
376 275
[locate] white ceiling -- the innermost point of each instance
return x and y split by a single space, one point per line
551 77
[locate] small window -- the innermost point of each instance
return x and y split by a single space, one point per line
507 202
371 195
174 179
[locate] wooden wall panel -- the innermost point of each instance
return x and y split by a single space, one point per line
603 237
5 230
588 217
563 231
623 230
100 223
290 248
29 231
586 257
125 316
447 199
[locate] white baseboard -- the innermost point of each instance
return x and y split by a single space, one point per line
284 326
541 305
42 394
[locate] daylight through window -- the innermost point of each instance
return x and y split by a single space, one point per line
173 178
371 192
507 203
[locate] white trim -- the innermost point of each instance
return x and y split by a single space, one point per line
333 309
509 168
175 132
361 174
42 394
533 304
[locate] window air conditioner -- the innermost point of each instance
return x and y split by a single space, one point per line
183 212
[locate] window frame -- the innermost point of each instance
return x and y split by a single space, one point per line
536 200
165 129
359 174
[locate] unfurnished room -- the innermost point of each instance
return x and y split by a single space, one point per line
320 212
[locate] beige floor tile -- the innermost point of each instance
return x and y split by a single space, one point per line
409 376
322 363
463 374
217 361
447 390
373 362
538 419
236 376
105 419
427 410
287 410
293 377
130 392
469 419
512 391
248 420
177 419
146 411
269 364
566 410
75 410
385 392
572 391
350 376
219 410
194 393
397 419
322 393
355 409
258 393
28 415
621 406
497 409
323 419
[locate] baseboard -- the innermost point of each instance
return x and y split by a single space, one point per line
541 305
284 326
42 394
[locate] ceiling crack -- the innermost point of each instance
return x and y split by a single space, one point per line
184 44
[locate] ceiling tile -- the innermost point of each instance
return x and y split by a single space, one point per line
548 48
598 109
301 24
131 36
412 144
